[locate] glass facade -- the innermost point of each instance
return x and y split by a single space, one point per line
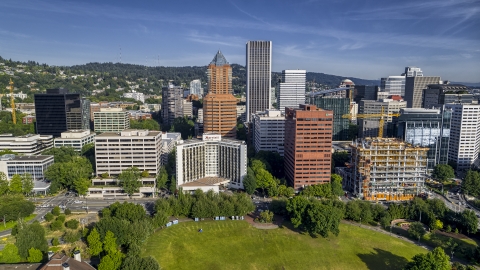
427 128
340 107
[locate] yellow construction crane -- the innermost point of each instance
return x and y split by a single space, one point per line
380 115
12 103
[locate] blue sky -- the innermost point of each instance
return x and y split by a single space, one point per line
366 39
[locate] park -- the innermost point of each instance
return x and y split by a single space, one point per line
237 245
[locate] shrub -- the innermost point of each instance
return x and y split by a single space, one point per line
57 225
55 242
68 212
266 217
72 224
72 236
49 217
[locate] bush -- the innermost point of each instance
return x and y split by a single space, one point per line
68 212
72 224
416 230
56 211
55 242
72 236
57 225
61 218
266 217
49 217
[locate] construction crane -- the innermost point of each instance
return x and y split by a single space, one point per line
380 115
12 103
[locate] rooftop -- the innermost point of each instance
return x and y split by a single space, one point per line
207 181
23 158
219 59
130 133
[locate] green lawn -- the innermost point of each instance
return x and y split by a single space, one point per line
12 223
237 245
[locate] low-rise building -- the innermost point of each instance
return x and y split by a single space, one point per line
211 162
110 188
75 138
139 115
135 95
30 144
33 165
29 119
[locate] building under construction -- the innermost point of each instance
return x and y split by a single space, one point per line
385 169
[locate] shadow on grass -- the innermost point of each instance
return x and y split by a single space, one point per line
381 259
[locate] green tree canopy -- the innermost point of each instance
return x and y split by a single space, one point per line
162 178
471 183
30 236
81 185
250 182
433 260
27 183
16 184
336 184
129 180
61 154
443 172
95 246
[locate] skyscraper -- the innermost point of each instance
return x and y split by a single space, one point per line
414 87
340 107
172 103
58 111
220 106
308 146
259 76
196 88
439 94
291 91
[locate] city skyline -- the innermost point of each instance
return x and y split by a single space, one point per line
363 40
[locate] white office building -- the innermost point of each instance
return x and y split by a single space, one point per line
291 91
196 88
369 127
135 95
111 120
118 151
269 131
30 144
75 138
33 165
413 72
208 163
169 140
259 76
393 85
464 134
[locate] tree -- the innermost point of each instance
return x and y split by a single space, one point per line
471 183
16 184
30 236
27 183
136 262
110 243
129 180
72 236
81 186
322 219
266 216
184 126
3 184
67 211
296 207
336 184
443 172
438 225
469 221
49 217
162 178
56 211
416 230
94 244
9 254
112 261
72 224
172 187
61 154
63 175
249 182
433 260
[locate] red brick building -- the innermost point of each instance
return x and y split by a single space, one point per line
308 145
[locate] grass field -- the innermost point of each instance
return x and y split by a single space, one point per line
12 223
237 245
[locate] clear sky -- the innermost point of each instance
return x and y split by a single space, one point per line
358 38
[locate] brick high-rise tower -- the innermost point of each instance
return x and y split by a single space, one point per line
219 105
308 145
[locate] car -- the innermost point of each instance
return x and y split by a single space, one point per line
77 201
84 207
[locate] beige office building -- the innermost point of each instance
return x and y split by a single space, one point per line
111 120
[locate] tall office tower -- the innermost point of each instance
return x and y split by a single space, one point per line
393 85
414 89
58 111
426 128
291 91
196 88
465 134
269 131
413 72
111 120
437 95
219 105
308 146
340 107
259 76
172 103
370 126
367 92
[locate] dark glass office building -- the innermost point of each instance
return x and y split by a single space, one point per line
340 107
427 128
366 92
58 111
440 94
